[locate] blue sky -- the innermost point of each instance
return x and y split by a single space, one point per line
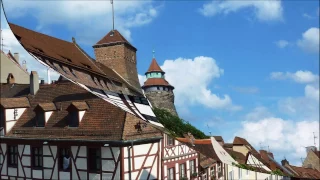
246 68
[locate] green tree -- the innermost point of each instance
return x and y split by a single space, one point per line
176 126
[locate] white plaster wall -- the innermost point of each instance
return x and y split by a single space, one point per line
64 175
10 113
47 173
45 149
83 175
37 174
47 115
26 150
12 171
74 172
48 162
141 149
255 162
83 151
108 165
94 176
81 163
27 171
81 114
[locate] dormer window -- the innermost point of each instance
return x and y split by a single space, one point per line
43 112
76 112
40 119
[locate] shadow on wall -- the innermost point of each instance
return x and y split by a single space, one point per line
145 174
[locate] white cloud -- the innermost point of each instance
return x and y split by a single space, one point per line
282 43
191 78
305 15
142 79
90 19
282 136
299 76
12 44
310 40
267 10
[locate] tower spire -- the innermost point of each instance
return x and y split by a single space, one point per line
153 52
112 15
314 139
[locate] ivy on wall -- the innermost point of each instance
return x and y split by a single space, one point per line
176 126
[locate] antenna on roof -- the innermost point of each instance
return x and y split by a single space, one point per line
314 139
111 1
268 149
209 130
1 41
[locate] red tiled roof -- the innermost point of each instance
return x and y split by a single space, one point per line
113 37
80 105
47 106
63 55
21 102
218 138
154 67
49 46
102 120
306 172
156 82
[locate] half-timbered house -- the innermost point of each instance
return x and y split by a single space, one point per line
93 123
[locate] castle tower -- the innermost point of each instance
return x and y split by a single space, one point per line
157 89
115 52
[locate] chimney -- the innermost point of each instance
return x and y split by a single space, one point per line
264 155
10 79
271 154
284 162
16 56
34 82
42 81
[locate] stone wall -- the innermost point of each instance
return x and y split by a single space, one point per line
312 159
163 100
122 59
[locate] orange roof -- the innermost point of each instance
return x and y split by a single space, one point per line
115 38
196 141
156 82
154 67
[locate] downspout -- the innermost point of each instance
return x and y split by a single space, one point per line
129 159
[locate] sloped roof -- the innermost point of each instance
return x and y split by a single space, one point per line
240 158
218 138
156 82
61 55
306 172
14 90
154 67
20 102
102 121
47 106
113 37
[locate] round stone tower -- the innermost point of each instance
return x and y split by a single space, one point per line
158 90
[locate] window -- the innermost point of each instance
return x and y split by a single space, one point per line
192 167
40 119
158 88
170 141
213 171
204 177
13 156
74 118
219 167
2 117
94 159
170 175
15 114
37 157
182 170
64 159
